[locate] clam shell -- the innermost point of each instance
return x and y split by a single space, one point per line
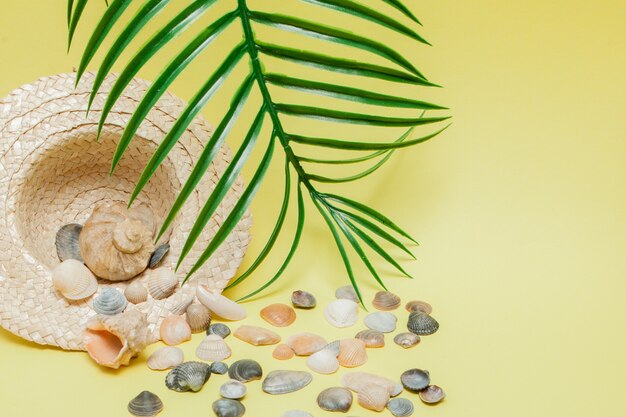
381 321
347 293
198 317
219 329
303 299
188 376
225 407
406 339
67 242
110 302
180 303
371 338
356 381
145 404
333 347
136 293
257 336
162 283
213 348
74 280
220 305
400 407
352 353
385 300
335 399
415 379
165 358
284 382
279 315
158 255
245 370
296 413
233 389
416 305
422 324
283 352
219 368
174 330
432 394
323 362
341 313
304 344
373 397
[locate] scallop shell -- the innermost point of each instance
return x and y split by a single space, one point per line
158 255
296 413
400 407
174 330
323 362
432 394
165 358
219 368
162 283
416 305
213 348
279 315
304 344
67 243
188 376
381 321
257 336
373 397
415 379
225 407
347 293
283 352
335 399
219 329
245 370
233 389
303 299
352 353
356 381
146 404
198 317
341 313
284 382
110 302
74 280
371 338
422 324
406 339
220 305
136 293
385 300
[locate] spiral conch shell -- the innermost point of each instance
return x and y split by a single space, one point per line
113 340
116 243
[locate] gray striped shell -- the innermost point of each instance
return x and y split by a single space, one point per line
145 404
400 407
219 329
158 255
66 242
110 302
422 324
245 370
225 407
219 368
415 379
335 399
188 376
284 382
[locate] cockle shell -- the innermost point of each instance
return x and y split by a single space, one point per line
432 394
226 407
385 300
198 317
181 303
213 348
373 397
333 347
296 413
356 381
335 399
415 379
109 302
113 340
400 407
304 344
220 305
136 293
381 321
371 338
188 376
283 352
219 329
406 339
67 243
303 299
416 305
146 404
341 313
233 389
165 358
162 283
279 315
175 330
347 293
284 382
245 370
323 362
74 280
257 336
352 353
219 368
158 255
422 324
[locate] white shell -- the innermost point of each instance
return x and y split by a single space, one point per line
233 389
341 313
347 292
109 302
284 382
136 293
162 283
74 280
382 321
165 358
323 362
355 381
220 305
174 330
213 348
296 413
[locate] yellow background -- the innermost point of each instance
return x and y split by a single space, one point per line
520 209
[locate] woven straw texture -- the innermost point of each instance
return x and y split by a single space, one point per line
52 172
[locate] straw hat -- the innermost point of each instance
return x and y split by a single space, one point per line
52 172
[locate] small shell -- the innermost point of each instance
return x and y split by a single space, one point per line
296 413
158 255
373 397
74 280
136 293
110 302
303 299
245 370
174 330
67 244
198 317
226 407
323 362
219 368
341 313
381 321
352 353
213 348
257 336
180 303
162 283
400 407
415 379
165 358
220 305
146 404
284 382
283 352
422 306
432 394
219 329
371 338
347 293
422 324
385 300
356 381
188 376
233 389
279 315
333 347
335 399
406 339
304 344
